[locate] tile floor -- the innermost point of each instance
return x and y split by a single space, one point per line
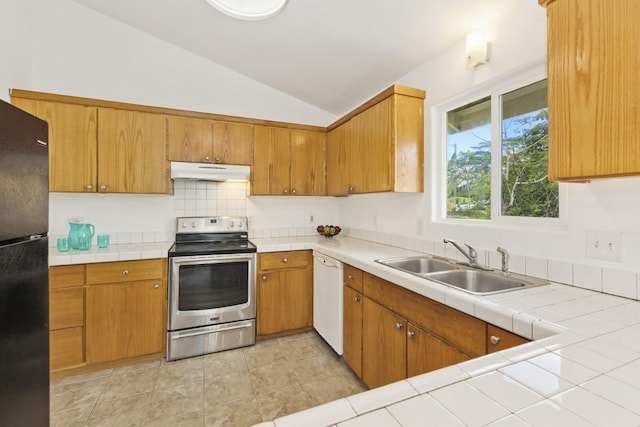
238 387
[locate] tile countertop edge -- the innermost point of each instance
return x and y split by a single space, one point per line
549 337
121 252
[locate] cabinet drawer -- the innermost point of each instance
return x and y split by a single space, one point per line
499 339
284 260
353 277
66 308
66 276
65 348
124 271
458 329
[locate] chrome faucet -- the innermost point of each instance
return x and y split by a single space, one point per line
505 259
471 255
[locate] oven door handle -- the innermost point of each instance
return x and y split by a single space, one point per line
195 334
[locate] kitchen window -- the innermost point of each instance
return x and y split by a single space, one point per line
496 156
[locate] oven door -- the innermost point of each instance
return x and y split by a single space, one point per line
211 289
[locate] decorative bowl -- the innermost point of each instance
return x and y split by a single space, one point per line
328 231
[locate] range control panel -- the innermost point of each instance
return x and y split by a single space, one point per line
211 224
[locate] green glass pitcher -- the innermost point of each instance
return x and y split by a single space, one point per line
80 235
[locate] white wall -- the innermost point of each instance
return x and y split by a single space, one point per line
62 47
518 41
15 45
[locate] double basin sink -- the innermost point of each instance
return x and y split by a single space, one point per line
463 277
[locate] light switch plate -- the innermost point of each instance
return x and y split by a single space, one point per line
604 245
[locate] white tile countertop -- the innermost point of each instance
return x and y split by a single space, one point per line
582 369
120 252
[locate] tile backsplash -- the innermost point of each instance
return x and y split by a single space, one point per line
200 198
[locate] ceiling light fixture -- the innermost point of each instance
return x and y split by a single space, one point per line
250 10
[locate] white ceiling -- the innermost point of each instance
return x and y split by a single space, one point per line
332 54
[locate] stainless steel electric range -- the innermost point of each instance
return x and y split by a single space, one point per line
212 287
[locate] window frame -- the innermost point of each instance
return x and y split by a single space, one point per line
494 89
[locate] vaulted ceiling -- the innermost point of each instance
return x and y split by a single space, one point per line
332 54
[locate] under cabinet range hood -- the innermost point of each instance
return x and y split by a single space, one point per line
209 172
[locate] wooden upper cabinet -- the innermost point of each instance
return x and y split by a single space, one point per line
232 143
307 156
189 140
380 145
209 141
593 90
132 152
336 159
72 143
271 169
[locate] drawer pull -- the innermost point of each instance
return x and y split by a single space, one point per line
264 277
285 260
399 325
494 340
89 187
351 276
410 334
217 159
125 272
156 286
103 188
356 299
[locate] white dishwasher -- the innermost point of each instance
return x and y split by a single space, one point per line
327 299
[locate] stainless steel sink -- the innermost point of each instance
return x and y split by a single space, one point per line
483 282
462 277
418 265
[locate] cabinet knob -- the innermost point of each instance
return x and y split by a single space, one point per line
293 191
399 325
350 276
156 286
206 158
103 188
356 299
285 191
285 260
264 277
89 187
411 334
494 340
217 159
125 272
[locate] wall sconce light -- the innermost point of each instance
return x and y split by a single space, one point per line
476 48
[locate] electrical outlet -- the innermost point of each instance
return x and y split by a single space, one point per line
250 220
604 245
420 226
375 220
311 219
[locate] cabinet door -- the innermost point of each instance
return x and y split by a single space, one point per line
499 339
592 88
233 143
72 143
132 152
378 153
189 140
271 161
426 353
308 163
125 320
66 348
384 345
285 301
356 167
352 330
336 159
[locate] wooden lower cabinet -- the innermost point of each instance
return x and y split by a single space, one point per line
285 292
125 320
499 339
352 329
66 348
384 345
427 353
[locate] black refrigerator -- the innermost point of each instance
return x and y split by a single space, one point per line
24 294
